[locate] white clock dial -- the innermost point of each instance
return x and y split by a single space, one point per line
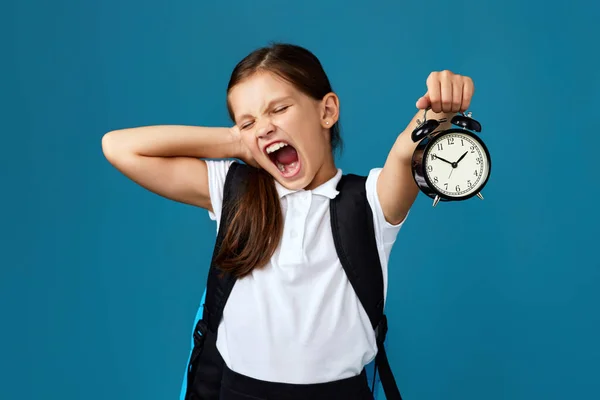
457 164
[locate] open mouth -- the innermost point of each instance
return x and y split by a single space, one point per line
285 157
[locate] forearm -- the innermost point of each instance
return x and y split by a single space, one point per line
447 93
173 141
396 187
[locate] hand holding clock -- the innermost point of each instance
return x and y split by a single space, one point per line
448 97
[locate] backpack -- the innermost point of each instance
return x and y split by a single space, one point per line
351 218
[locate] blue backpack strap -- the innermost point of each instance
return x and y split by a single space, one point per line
354 239
205 367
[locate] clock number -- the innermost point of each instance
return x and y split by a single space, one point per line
450 141
429 168
469 183
446 185
440 147
435 179
472 149
478 160
457 188
475 173
433 157
462 142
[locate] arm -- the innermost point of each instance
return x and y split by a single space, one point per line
166 159
447 94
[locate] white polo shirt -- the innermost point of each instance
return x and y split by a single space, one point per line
298 320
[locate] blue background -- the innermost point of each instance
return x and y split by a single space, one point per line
100 280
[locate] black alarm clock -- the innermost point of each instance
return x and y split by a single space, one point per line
452 164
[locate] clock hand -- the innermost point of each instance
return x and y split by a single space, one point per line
443 159
461 157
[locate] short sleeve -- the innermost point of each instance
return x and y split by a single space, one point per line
385 233
217 173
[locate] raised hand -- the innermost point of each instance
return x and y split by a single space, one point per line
243 153
447 92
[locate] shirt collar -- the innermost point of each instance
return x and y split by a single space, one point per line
327 189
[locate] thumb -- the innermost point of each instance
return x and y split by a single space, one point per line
423 102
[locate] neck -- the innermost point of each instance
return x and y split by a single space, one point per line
325 173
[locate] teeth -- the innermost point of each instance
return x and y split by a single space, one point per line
291 166
275 147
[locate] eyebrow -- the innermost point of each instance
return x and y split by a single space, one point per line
269 105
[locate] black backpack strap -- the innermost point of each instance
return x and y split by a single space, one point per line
205 367
219 283
356 246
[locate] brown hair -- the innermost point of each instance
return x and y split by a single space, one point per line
256 225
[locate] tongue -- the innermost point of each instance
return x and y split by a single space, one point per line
286 155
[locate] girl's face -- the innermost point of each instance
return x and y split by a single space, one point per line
286 131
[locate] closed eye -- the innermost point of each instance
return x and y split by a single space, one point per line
246 125
280 109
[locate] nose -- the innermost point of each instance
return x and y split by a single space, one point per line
264 129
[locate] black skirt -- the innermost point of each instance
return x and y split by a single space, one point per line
240 387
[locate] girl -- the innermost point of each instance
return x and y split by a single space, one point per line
290 282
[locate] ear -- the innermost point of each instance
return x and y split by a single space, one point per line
330 110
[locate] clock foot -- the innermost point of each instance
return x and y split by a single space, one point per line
480 195
436 200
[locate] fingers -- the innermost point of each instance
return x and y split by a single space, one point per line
467 93
457 94
423 102
435 92
447 92
235 130
446 83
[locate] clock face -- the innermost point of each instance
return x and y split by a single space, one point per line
457 164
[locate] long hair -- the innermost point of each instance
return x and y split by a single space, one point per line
256 226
